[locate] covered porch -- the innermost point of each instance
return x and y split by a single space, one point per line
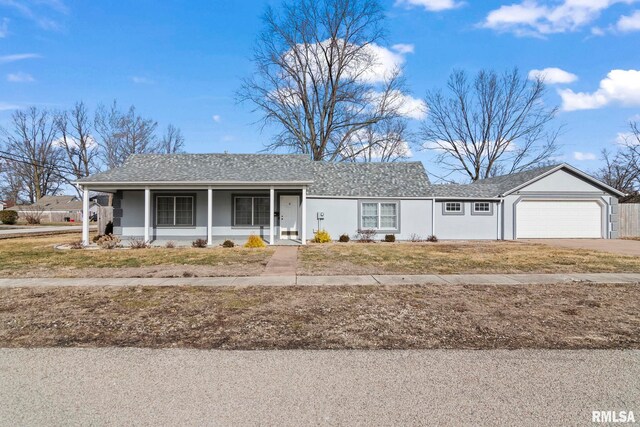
161 213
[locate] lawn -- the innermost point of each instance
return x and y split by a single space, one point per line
457 258
36 257
558 316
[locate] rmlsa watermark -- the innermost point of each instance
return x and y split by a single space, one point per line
612 417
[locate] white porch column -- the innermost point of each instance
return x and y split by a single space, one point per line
85 216
209 216
271 213
304 215
147 213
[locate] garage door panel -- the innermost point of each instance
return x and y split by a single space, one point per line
558 219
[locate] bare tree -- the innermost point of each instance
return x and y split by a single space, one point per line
314 76
32 153
621 168
384 141
79 146
123 134
172 141
493 124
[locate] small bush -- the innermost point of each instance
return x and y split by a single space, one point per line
76 245
108 229
109 241
8 217
96 238
432 239
254 242
390 238
228 244
138 244
415 238
32 219
365 236
321 236
199 243
170 244
344 238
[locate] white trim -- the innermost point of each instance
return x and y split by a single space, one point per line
209 216
304 215
379 204
460 206
271 214
315 196
298 219
433 217
147 212
473 208
203 183
85 217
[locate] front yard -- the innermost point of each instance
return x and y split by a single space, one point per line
457 258
36 257
559 316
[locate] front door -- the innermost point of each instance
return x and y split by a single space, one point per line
289 217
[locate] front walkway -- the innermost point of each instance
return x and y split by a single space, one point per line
291 280
283 262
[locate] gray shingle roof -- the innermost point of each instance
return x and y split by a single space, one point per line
504 183
401 179
464 191
209 168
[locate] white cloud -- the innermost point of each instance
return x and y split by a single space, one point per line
536 18
579 155
386 62
20 78
553 75
629 23
5 106
5 59
74 142
39 11
620 87
216 118
403 48
406 105
622 138
4 28
430 5
142 80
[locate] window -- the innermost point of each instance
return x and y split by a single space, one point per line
251 211
453 207
482 207
174 210
379 215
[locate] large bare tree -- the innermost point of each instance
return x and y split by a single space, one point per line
172 141
123 134
621 169
314 76
31 153
79 146
491 124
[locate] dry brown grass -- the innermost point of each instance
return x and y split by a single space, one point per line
457 258
561 316
36 257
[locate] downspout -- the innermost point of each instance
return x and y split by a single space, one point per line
433 216
501 220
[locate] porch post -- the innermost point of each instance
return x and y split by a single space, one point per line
85 216
147 213
271 213
304 215
209 216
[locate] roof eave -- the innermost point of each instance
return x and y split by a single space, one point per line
225 183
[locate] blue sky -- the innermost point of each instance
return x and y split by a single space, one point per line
182 64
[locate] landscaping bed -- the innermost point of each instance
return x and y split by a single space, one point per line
449 257
557 316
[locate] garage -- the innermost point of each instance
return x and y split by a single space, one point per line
558 219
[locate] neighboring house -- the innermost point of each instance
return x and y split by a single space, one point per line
57 208
285 196
2 205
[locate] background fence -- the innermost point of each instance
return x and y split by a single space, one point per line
629 219
105 214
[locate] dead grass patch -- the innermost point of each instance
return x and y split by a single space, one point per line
457 258
558 316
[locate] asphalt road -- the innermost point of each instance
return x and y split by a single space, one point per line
191 387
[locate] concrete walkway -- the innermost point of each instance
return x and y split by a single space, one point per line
291 280
283 262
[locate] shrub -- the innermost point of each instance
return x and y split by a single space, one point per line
108 229
390 238
96 238
170 244
254 242
344 238
32 219
138 244
415 238
365 236
76 244
109 242
228 244
432 238
8 217
199 243
321 236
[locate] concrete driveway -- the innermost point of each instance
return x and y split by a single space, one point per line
616 246
115 386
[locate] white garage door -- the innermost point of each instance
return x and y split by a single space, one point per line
540 219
